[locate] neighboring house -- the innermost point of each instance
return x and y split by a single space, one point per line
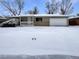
74 21
2 19
7 22
42 20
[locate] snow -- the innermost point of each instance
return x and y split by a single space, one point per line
73 17
42 15
49 41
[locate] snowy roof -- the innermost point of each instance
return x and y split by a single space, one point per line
41 15
73 17
1 17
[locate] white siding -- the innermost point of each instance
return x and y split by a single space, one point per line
58 21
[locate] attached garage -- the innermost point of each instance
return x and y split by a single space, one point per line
74 21
59 21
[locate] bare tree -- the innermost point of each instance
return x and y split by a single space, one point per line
14 7
66 7
48 8
30 12
52 7
34 11
77 14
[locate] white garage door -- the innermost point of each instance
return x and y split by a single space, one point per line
58 21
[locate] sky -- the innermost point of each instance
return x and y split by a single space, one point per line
40 4
30 4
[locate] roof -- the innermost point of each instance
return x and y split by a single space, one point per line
2 17
41 15
73 17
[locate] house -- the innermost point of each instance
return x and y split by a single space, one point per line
2 19
41 20
74 21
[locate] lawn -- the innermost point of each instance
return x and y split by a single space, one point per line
39 41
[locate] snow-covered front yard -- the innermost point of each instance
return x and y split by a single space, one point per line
49 41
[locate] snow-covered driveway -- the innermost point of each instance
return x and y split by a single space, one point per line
49 40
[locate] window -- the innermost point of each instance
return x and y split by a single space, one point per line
39 19
24 19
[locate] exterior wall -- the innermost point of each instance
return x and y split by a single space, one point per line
74 21
28 21
44 22
58 21
2 20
